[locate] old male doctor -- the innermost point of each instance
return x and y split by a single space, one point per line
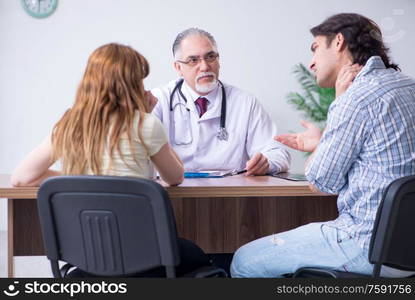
213 125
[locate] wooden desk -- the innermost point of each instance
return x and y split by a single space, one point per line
219 214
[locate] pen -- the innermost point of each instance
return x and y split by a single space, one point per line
232 173
240 172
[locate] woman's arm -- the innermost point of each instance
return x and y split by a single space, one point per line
35 167
169 165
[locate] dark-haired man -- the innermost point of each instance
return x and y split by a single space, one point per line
369 141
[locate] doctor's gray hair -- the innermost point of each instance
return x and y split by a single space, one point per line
189 32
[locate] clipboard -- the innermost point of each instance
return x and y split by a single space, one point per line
290 176
212 174
204 174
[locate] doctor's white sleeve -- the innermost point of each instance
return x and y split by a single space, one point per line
261 130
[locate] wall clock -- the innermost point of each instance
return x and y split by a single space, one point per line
39 8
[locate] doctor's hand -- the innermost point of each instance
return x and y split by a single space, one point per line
306 141
345 77
151 101
257 165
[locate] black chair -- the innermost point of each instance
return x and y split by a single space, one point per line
392 243
110 226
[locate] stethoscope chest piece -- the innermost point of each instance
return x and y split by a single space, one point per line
222 134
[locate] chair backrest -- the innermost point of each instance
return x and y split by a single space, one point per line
393 242
108 226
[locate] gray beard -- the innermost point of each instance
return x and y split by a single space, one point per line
207 87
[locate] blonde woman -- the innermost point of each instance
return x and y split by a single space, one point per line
109 130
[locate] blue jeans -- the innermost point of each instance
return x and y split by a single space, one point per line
311 245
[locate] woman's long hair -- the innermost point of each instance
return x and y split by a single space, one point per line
108 97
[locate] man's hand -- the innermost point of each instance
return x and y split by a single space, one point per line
151 101
257 165
345 77
306 141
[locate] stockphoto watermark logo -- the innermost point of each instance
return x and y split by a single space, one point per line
391 32
71 288
12 290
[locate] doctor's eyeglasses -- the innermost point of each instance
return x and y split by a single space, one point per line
192 61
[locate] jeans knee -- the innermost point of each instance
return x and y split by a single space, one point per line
240 263
236 264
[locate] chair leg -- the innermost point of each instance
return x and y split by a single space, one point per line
170 272
376 270
55 269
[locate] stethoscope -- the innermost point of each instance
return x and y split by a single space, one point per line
222 133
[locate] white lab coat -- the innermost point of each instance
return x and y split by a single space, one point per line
250 129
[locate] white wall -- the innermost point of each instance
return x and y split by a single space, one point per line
41 61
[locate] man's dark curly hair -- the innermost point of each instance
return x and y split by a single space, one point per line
362 36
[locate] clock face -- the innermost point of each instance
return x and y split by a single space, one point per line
39 8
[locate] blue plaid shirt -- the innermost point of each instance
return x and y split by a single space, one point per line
368 142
